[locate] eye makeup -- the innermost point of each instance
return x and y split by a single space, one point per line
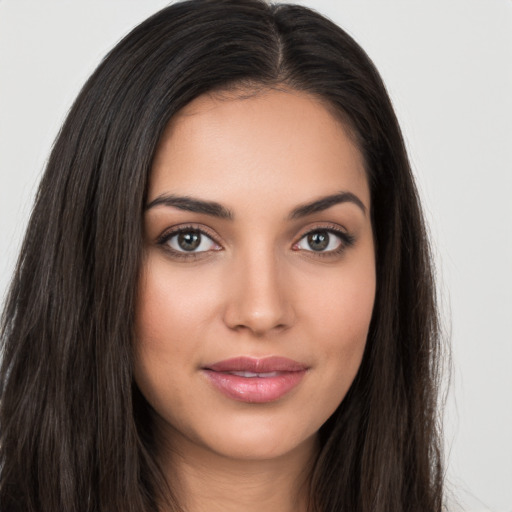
181 242
190 242
321 237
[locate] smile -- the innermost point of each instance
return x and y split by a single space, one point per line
255 380
251 375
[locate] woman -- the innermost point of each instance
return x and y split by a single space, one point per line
224 299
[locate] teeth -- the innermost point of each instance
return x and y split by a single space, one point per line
251 375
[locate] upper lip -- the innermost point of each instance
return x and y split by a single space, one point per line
257 365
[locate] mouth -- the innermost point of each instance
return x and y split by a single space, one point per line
253 380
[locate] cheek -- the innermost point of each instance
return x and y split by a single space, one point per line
340 316
171 307
166 314
166 298
343 304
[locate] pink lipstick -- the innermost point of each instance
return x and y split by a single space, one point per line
247 379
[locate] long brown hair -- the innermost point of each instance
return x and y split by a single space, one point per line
75 434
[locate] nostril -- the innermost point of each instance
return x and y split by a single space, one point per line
240 317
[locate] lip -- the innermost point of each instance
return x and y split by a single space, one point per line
282 375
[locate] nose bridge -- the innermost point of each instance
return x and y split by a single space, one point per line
257 301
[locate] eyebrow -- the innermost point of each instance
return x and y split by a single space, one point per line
325 203
190 204
215 209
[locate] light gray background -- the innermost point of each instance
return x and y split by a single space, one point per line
448 68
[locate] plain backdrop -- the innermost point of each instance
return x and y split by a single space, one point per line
448 68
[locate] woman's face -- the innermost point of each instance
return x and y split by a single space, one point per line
258 284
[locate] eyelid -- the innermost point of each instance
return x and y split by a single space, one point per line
347 239
324 226
183 228
188 226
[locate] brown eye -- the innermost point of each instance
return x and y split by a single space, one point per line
318 241
321 240
191 241
324 242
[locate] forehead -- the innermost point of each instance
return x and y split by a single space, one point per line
221 146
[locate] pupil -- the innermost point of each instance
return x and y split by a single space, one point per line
189 240
319 240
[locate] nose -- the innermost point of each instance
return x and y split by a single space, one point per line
257 295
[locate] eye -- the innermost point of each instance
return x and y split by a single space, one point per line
188 240
324 241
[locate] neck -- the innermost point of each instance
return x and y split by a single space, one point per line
205 481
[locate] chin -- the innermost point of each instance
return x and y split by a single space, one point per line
258 446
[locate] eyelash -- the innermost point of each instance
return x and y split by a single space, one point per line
184 255
347 240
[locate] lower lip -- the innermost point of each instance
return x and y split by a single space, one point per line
255 389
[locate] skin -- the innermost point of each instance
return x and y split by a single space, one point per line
256 288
